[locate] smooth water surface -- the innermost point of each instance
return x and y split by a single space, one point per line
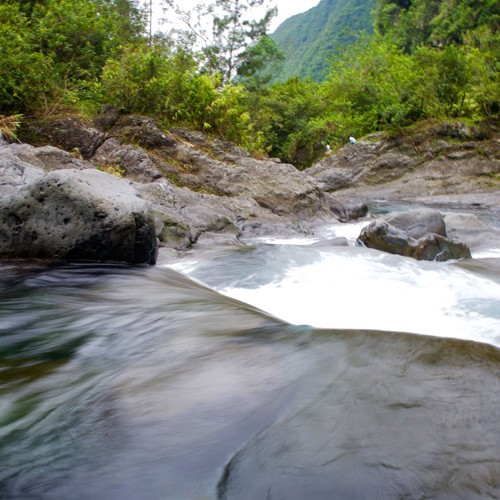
251 372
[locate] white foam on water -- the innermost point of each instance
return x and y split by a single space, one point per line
350 231
364 289
287 241
491 253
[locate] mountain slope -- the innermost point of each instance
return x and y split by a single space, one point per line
308 39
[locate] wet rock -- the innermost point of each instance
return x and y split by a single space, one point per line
339 241
381 235
418 223
348 212
439 248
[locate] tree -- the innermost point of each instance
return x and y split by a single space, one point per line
55 49
259 63
232 30
27 76
437 23
288 115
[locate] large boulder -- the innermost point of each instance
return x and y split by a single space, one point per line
77 215
185 217
381 235
418 223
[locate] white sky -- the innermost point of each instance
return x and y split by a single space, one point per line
286 9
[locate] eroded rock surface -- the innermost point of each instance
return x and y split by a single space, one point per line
77 215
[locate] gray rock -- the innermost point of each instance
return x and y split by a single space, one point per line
143 131
77 215
184 217
202 164
380 235
15 172
431 159
46 157
437 247
418 223
21 164
348 212
280 188
473 231
134 162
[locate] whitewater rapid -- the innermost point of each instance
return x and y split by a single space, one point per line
342 287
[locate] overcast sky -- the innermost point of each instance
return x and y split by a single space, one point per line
286 9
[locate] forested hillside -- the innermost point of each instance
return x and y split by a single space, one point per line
309 39
427 60
412 23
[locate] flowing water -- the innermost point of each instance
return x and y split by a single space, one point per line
274 370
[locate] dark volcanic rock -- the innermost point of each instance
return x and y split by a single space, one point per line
70 134
142 131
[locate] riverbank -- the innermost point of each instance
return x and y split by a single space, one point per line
447 164
181 189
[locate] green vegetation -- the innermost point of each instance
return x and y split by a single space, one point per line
412 23
309 39
62 56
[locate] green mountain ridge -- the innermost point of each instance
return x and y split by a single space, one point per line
309 39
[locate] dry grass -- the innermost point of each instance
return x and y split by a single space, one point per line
9 125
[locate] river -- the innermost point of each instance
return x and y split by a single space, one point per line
271 370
